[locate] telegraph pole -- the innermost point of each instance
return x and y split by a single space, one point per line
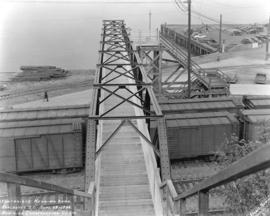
220 38
189 48
150 14
267 41
220 34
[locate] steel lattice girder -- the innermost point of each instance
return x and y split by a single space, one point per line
90 153
118 58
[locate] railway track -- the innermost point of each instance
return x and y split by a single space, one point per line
6 96
187 173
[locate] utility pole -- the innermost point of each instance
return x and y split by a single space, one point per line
220 38
220 34
267 41
150 24
189 48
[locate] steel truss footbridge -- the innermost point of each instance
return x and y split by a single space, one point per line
120 156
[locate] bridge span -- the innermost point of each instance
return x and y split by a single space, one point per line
121 158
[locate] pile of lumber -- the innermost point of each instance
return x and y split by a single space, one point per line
38 73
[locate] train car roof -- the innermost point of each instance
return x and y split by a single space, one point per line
24 114
198 119
24 129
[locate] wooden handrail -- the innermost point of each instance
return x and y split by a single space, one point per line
14 179
170 186
253 162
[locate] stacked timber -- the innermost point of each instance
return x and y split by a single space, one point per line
38 73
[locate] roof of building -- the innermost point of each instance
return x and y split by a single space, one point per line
20 114
198 119
39 127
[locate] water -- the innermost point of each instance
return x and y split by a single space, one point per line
67 34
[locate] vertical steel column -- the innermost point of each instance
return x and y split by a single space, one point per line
90 153
163 148
156 72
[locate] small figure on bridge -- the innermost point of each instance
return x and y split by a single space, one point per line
46 97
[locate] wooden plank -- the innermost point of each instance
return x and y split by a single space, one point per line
163 148
22 158
39 153
171 188
253 162
55 150
14 179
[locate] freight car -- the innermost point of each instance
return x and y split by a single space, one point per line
257 102
41 145
34 139
196 134
177 106
254 123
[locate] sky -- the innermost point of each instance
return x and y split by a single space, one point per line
66 33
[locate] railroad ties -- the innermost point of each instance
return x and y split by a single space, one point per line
121 103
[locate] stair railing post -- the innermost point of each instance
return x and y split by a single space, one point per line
177 207
203 199
72 208
183 207
14 196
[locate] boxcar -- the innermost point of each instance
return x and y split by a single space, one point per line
230 104
41 145
197 134
257 102
254 123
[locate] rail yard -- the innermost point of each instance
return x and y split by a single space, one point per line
141 134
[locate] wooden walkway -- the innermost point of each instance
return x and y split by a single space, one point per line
124 187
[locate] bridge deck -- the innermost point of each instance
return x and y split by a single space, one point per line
124 187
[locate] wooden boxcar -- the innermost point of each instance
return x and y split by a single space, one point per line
257 102
25 114
230 104
33 139
197 134
41 145
254 123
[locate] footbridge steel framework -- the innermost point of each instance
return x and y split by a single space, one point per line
118 60
173 83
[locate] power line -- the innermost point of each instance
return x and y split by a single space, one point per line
178 6
232 6
86 2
